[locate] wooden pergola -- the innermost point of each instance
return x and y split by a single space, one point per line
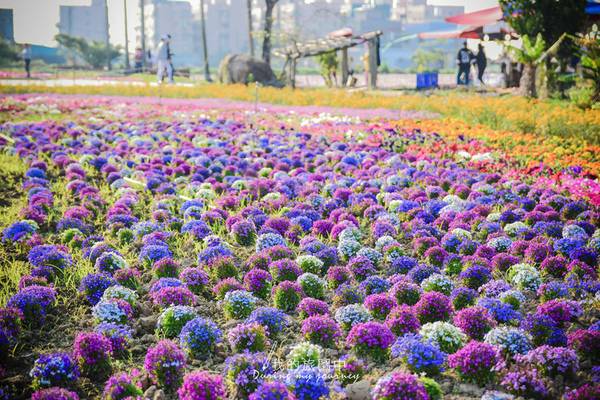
317 47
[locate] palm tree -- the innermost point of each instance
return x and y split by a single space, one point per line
529 55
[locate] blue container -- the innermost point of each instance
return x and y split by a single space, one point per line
427 80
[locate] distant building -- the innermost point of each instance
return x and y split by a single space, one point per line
6 24
174 18
88 22
308 21
419 11
226 29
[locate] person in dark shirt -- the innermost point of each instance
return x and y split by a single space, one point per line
26 54
481 61
463 59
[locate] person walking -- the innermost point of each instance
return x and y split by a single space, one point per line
162 60
481 61
139 60
26 54
170 58
463 59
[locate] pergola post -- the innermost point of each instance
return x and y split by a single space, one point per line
373 63
293 72
344 66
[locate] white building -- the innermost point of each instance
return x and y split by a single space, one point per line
88 22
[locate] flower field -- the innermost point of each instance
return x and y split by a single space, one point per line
213 249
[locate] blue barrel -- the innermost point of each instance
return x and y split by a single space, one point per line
427 80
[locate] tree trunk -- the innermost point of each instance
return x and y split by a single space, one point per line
266 51
527 83
250 39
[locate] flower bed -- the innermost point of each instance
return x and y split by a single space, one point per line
201 250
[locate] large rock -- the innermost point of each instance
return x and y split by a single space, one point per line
360 390
241 68
495 395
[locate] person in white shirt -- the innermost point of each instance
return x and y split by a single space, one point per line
162 60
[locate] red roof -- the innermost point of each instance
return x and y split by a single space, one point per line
472 32
478 18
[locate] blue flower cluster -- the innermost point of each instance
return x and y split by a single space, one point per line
19 230
56 369
352 314
165 282
199 229
211 253
34 302
375 284
154 252
501 311
109 311
48 254
93 286
119 335
510 340
403 264
271 318
419 354
238 304
199 336
246 371
267 240
307 383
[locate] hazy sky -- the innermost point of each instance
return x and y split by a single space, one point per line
35 20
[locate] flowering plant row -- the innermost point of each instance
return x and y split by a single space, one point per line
226 254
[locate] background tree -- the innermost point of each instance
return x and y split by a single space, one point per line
266 50
427 60
329 64
93 53
587 91
550 18
8 53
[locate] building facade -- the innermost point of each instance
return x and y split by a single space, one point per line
7 25
88 22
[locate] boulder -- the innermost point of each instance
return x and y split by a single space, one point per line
241 68
360 390
496 395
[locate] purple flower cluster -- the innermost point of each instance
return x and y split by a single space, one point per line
433 306
92 351
309 307
165 363
200 385
475 362
474 322
248 337
370 339
123 385
379 305
321 330
399 385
